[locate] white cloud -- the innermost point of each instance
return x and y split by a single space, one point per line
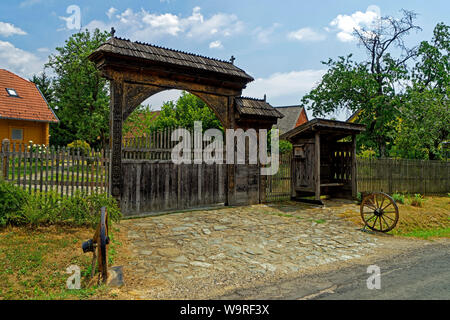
148 26
264 35
306 34
216 45
292 85
156 101
19 61
111 12
347 24
8 29
43 50
29 3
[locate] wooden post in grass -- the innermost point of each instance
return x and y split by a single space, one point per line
5 158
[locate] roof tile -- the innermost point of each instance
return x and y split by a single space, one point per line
30 105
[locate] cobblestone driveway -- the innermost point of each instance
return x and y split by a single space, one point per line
204 254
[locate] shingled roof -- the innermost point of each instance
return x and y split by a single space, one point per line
28 105
291 117
256 107
148 52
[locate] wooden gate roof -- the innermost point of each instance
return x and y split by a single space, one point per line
160 55
331 127
256 107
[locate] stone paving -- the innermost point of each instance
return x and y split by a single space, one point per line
200 254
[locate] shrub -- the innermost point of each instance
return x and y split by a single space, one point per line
81 145
12 199
17 207
41 208
359 197
82 209
285 146
417 201
398 197
367 153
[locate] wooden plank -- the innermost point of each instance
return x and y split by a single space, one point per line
317 165
354 171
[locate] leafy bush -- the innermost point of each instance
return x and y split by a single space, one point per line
285 146
82 209
368 153
359 197
40 208
398 197
417 201
19 208
12 199
83 146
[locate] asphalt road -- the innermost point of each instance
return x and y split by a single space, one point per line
418 274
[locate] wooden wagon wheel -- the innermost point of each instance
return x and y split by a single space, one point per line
379 212
98 246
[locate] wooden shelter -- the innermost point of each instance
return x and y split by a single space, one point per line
324 160
138 70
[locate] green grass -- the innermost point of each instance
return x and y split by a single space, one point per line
33 263
426 234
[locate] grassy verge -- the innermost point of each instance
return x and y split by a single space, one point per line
431 220
33 262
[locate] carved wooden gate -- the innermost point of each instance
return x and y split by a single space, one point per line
137 71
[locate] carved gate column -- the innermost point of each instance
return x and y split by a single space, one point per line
117 103
231 168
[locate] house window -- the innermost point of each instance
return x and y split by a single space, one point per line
17 134
12 92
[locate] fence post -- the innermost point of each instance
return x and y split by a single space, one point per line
5 158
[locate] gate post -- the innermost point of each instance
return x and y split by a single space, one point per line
116 118
231 169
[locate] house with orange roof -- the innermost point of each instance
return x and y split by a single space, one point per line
294 116
24 113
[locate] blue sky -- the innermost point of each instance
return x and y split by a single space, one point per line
280 43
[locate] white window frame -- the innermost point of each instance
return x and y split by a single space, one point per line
9 90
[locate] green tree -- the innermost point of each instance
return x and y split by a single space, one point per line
426 113
369 86
81 96
45 85
187 109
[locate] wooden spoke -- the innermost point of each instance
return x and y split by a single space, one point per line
390 203
375 222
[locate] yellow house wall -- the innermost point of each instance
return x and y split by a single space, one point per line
38 132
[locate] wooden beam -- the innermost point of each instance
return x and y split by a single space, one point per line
317 165
354 169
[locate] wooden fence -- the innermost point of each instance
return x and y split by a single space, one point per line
62 170
404 176
386 175
278 186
